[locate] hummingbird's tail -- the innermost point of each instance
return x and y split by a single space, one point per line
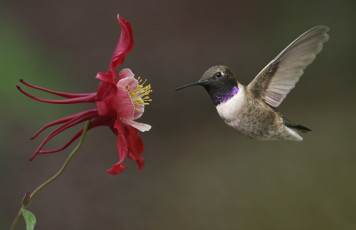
296 127
299 128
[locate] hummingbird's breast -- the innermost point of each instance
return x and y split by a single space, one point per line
230 110
252 117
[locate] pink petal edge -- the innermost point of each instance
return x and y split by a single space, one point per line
124 73
131 82
122 104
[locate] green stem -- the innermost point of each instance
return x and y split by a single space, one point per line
55 176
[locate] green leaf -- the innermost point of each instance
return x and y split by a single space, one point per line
30 219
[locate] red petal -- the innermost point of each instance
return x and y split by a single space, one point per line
124 44
59 121
123 47
122 104
134 140
76 120
106 77
117 168
122 149
67 95
106 91
135 145
88 98
96 122
140 162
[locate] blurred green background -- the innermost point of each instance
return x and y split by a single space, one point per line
199 173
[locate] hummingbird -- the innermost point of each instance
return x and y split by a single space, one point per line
251 109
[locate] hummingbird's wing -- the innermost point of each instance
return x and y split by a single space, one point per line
275 81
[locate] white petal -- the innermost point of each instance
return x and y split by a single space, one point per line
140 126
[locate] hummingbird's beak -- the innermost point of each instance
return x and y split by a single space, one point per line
188 85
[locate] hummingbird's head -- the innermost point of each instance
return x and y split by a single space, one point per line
219 82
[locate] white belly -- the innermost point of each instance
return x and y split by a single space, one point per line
230 109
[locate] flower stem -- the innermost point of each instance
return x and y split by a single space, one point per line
54 177
18 216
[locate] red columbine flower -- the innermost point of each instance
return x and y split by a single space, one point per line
119 102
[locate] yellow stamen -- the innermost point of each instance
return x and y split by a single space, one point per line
139 96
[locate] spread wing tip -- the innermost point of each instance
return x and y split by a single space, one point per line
275 81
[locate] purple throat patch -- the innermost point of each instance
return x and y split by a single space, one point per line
225 97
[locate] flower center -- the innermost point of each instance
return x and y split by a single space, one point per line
139 96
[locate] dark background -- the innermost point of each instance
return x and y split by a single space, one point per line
199 173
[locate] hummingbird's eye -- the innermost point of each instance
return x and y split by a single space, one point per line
218 74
